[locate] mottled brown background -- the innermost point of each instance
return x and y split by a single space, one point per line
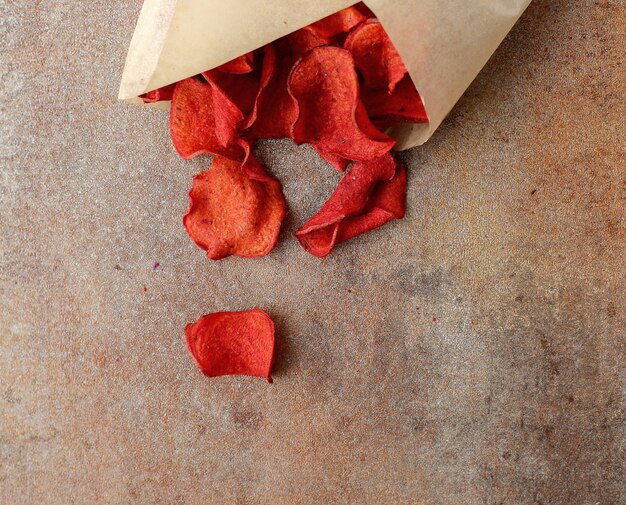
469 354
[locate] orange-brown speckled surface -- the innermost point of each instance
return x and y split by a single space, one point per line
471 353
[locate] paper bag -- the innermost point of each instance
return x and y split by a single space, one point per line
444 43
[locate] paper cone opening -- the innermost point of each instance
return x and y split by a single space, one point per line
443 43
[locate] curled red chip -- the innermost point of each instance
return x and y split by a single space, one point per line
203 120
338 23
241 65
326 88
371 194
233 343
335 160
231 213
365 10
275 109
302 41
241 89
375 56
404 104
268 75
158 95
387 203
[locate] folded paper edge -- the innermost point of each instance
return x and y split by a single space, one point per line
144 52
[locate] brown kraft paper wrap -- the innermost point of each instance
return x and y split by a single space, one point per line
444 43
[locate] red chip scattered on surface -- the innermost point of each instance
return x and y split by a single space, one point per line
387 203
231 213
326 88
369 195
233 343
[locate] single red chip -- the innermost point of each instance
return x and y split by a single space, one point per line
330 117
241 65
369 195
231 213
338 23
387 203
203 120
375 56
233 343
158 95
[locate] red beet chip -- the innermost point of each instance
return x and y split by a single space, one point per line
203 120
232 343
338 23
375 56
231 213
364 9
387 203
335 160
326 88
241 89
275 109
405 104
158 95
253 169
371 194
241 65
262 100
302 41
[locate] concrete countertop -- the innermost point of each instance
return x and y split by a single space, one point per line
471 353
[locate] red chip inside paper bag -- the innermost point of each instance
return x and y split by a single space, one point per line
241 65
404 104
203 120
369 195
338 23
375 56
231 213
330 117
233 343
301 41
158 95
275 109
241 87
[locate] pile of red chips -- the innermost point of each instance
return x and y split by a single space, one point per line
336 84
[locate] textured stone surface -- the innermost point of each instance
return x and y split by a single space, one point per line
469 354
